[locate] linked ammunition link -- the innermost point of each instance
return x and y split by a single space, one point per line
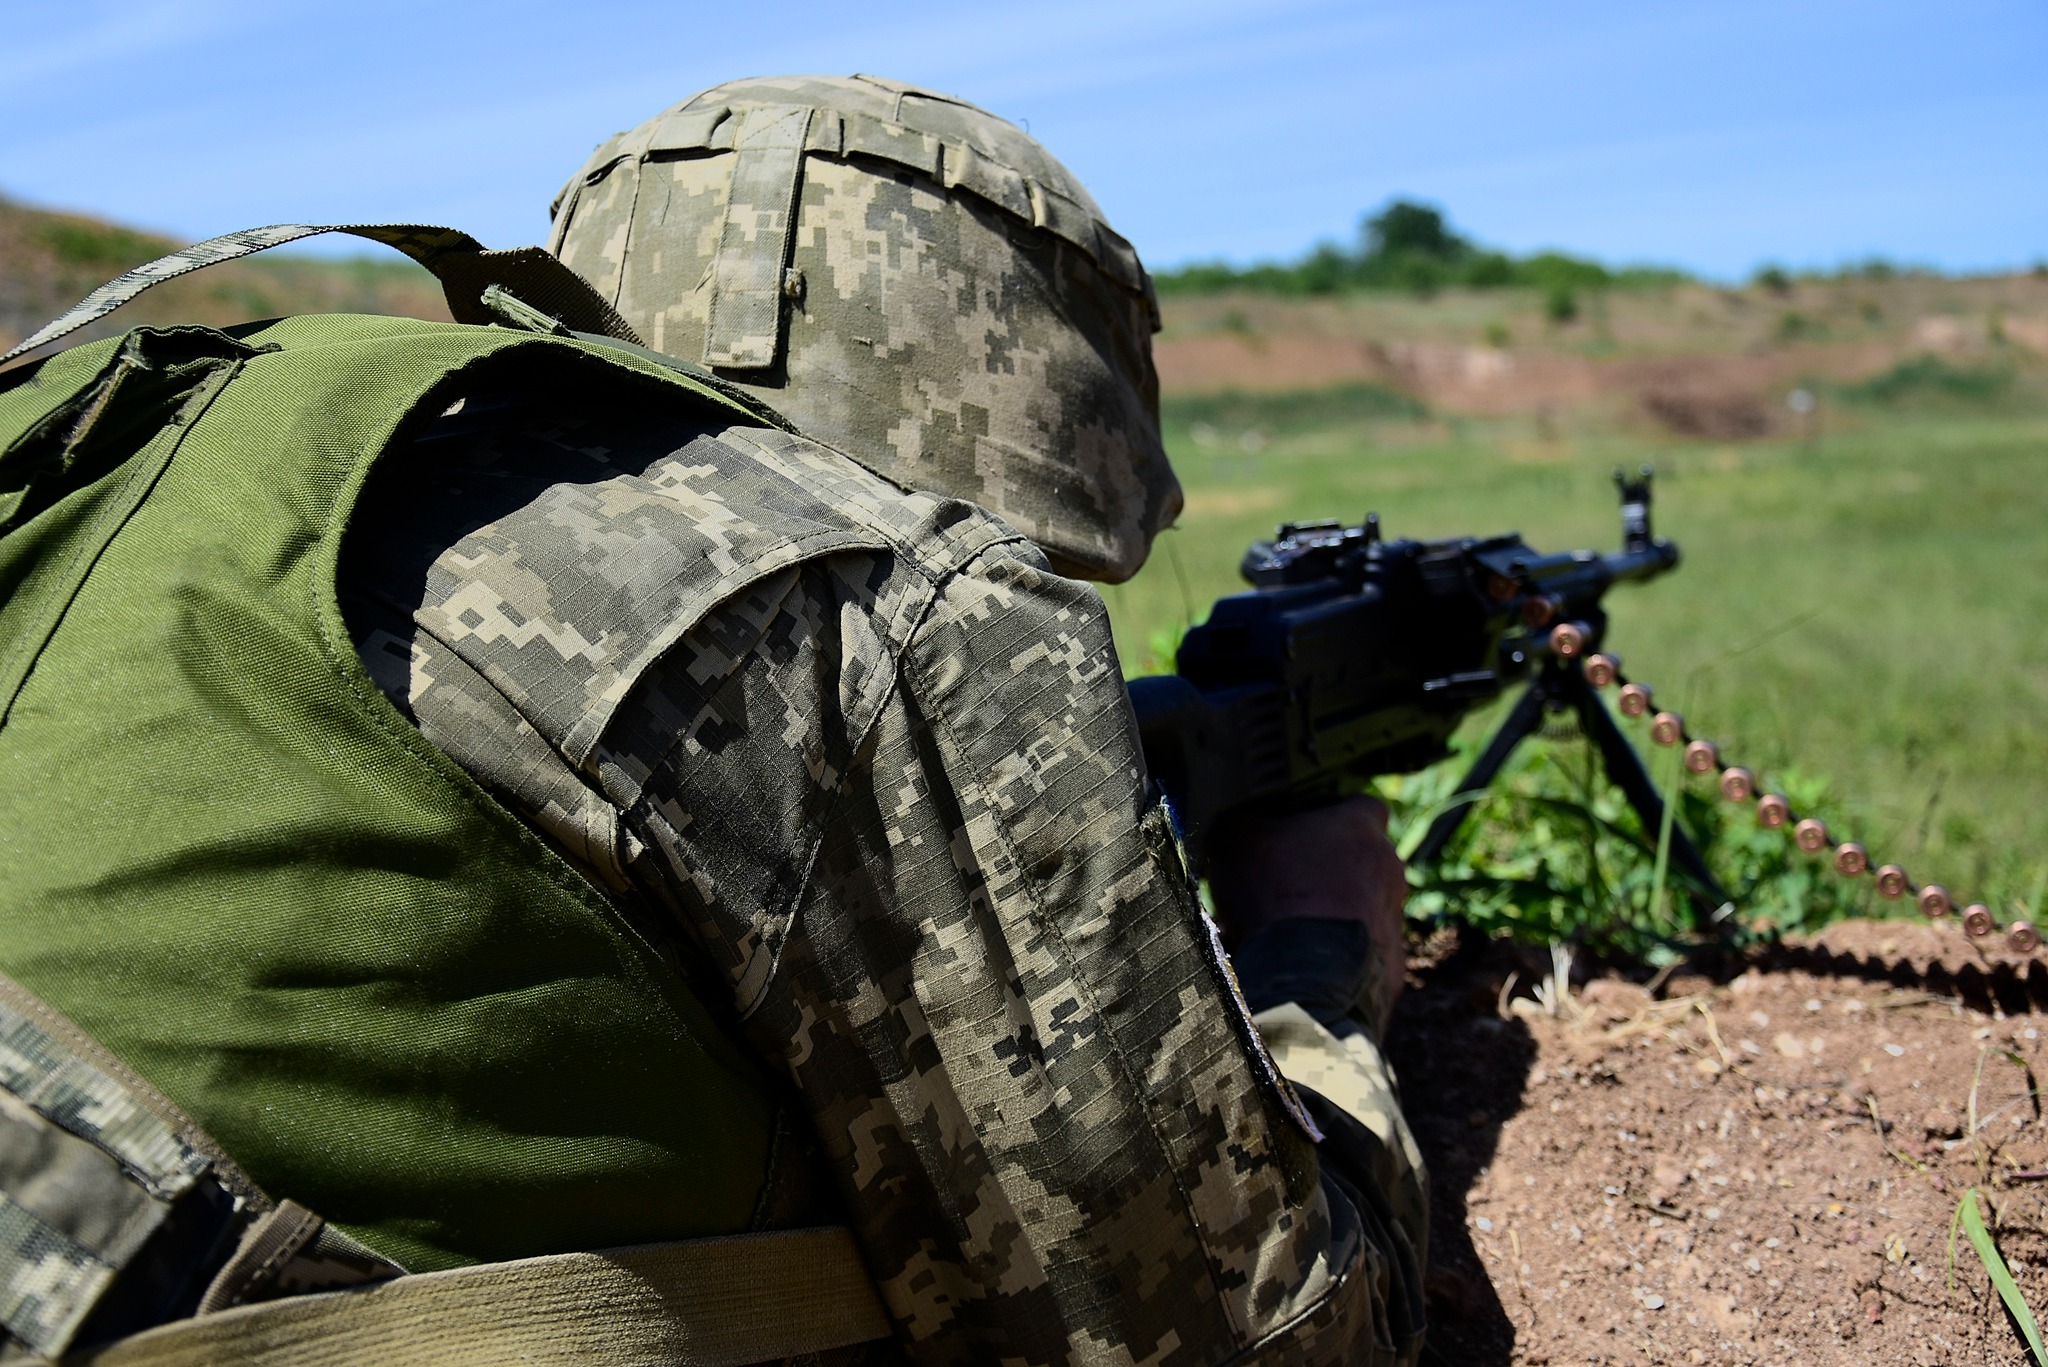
1774 810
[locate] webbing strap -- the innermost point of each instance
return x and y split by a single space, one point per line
701 1303
461 263
744 325
115 1205
94 1164
840 133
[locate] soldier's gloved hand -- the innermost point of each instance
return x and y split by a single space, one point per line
1312 903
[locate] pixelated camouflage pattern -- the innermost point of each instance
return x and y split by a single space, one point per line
332 1261
875 765
84 1100
91 1170
944 303
292 1252
1353 1074
87 1174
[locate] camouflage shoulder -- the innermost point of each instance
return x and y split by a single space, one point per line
936 533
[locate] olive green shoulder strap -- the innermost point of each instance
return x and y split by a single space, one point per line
526 286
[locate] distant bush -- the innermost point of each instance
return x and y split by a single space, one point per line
1232 411
1555 270
1795 326
1774 279
1409 246
1491 270
1927 379
1778 280
1877 268
1560 304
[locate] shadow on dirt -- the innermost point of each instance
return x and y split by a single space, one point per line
2014 989
1463 1073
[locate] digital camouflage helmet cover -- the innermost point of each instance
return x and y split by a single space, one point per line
904 276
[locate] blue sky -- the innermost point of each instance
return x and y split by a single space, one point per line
1710 135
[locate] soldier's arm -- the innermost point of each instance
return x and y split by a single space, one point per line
1051 1120
890 800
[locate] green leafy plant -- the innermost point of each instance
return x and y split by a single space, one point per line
1552 852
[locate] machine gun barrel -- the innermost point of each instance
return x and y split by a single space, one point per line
1353 656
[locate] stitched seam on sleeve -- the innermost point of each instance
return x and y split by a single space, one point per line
942 727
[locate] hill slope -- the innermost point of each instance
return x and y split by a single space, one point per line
1686 359
49 261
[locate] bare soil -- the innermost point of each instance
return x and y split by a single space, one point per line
1762 1168
1691 360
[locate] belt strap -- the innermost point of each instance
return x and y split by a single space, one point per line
718 1302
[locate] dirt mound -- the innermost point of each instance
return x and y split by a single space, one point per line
1705 412
1760 1170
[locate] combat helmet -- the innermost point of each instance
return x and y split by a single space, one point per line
906 277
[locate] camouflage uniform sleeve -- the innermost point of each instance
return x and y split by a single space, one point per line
1322 1012
904 814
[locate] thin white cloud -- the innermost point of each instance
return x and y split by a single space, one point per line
113 34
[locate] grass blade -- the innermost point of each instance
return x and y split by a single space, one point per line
1663 865
2001 1275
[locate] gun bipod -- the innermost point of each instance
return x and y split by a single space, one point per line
1561 687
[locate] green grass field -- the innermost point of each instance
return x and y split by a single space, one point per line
1859 614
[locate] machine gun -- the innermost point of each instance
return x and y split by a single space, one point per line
1353 655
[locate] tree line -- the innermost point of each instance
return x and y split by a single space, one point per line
1408 246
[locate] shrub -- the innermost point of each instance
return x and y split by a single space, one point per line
1560 305
1774 279
1553 853
1555 270
1490 270
1327 270
1926 379
1794 325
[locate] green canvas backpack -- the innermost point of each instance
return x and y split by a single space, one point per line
239 870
